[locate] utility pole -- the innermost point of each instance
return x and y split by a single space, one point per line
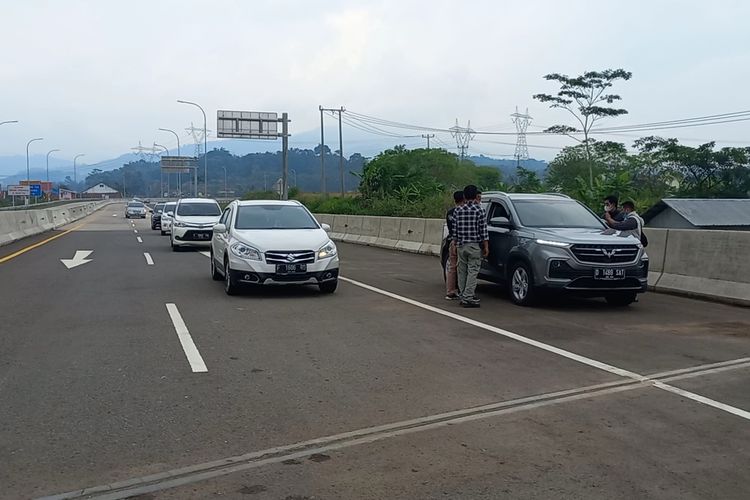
463 136
341 143
285 156
205 149
167 150
179 180
428 136
322 155
522 123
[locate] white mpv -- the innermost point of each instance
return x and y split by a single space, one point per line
264 242
193 222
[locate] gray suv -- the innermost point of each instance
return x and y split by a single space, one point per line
551 242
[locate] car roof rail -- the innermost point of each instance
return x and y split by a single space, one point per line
494 192
562 195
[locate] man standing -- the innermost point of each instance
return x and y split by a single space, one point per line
611 209
472 241
631 225
451 277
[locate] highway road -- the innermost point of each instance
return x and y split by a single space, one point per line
134 375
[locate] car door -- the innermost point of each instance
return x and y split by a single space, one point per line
219 241
501 240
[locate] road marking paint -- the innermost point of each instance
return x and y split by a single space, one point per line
135 231
208 470
114 215
191 352
207 254
139 239
37 245
149 260
555 350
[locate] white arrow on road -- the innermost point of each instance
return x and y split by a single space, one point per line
78 259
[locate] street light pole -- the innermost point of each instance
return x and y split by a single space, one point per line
225 180
28 175
48 153
162 187
295 176
205 145
75 172
179 179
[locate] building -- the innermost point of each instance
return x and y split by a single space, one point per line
100 190
704 213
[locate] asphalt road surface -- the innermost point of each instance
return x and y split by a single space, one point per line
134 375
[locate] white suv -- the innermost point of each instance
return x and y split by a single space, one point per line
272 242
193 222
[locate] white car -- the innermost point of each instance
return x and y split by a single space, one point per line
263 242
166 217
193 222
135 209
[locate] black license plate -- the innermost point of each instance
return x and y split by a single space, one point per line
291 268
201 236
609 274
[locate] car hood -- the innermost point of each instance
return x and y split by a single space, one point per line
584 235
283 239
192 219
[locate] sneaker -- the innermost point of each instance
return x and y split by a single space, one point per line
470 304
452 296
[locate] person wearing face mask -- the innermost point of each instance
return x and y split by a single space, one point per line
612 210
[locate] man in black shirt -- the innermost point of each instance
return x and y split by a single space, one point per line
451 276
611 208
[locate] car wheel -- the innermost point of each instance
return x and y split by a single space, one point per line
521 284
621 299
163 233
329 286
230 287
215 274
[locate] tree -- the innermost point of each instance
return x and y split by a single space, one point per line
326 150
584 97
527 181
606 158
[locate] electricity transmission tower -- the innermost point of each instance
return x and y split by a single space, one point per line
197 134
522 123
463 136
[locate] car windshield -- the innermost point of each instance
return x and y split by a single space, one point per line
169 207
158 207
274 217
198 209
135 204
556 213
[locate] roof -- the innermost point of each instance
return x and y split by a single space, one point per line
244 203
706 212
196 200
527 196
101 189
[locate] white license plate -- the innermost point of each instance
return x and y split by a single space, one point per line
609 274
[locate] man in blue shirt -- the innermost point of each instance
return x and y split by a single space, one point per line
472 241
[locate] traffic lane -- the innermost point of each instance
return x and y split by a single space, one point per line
642 443
92 368
729 387
660 332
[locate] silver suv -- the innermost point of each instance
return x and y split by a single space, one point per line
552 242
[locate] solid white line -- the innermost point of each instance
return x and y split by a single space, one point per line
566 354
206 253
139 239
149 260
191 352
505 333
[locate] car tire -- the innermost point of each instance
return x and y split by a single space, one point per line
521 284
215 274
328 286
230 287
620 299
163 233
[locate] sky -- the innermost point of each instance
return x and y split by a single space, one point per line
97 77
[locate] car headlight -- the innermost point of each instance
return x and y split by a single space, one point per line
327 251
558 244
245 251
179 224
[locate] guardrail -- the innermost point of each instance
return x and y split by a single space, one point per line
18 224
700 263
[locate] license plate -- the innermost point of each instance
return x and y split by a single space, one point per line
201 236
609 274
291 268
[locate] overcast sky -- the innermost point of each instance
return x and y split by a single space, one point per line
98 76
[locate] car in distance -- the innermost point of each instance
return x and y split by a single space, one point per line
193 222
271 242
551 242
156 215
135 209
166 217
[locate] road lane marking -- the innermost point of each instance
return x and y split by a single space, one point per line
555 350
37 245
135 231
149 260
200 472
207 254
139 239
191 352
78 259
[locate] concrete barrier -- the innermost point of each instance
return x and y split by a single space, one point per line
353 229
370 230
390 230
657 248
433 237
17 224
410 235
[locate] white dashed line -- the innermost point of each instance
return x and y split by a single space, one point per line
139 240
191 352
207 254
149 260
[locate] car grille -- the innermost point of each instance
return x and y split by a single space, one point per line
290 257
605 254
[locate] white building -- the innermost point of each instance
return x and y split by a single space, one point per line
100 190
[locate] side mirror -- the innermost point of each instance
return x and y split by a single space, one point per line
501 222
326 228
220 229
170 214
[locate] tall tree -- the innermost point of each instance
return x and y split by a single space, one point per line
586 98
